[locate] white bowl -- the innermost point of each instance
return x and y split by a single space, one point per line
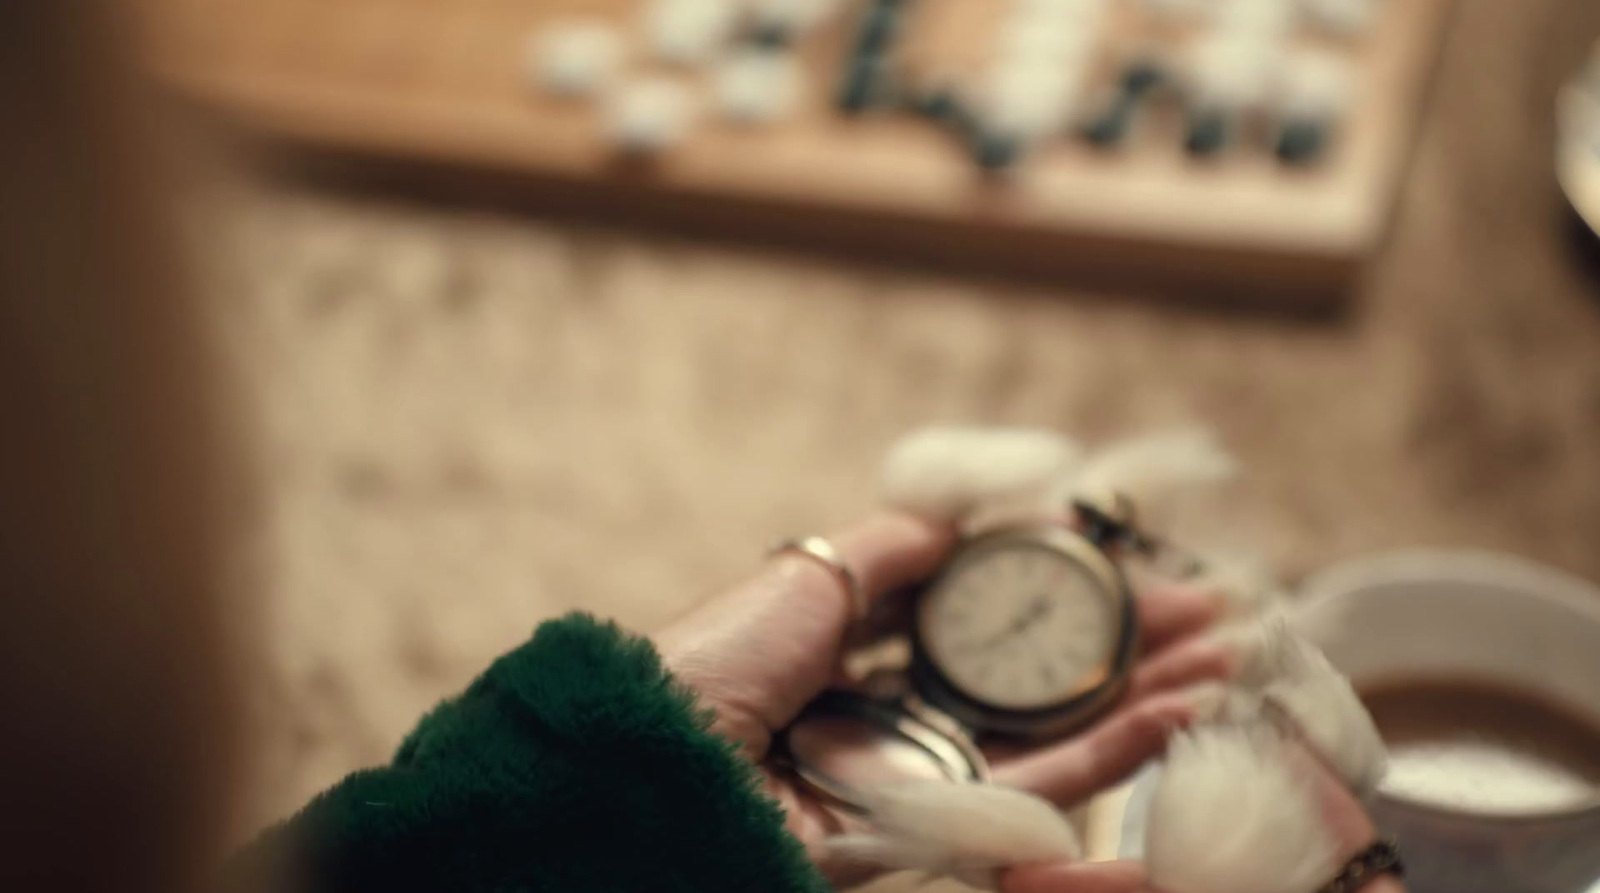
1433 614
1578 142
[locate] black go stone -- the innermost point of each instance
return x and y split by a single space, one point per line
1301 141
1208 132
771 36
996 152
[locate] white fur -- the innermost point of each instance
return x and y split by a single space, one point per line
1332 718
1260 643
1232 814
1030 97
1000 824
1244 582
1146 467
893 855
1234 811
1233 70
963 830
1288 672
1211 700
948 472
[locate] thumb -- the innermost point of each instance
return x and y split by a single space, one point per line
759 652
1075 877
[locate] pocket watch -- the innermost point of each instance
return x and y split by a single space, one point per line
1029 632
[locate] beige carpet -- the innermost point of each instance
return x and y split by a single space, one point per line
474 423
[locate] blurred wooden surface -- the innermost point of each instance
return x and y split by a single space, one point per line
476 421
440 85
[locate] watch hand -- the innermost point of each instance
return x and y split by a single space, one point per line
1037 610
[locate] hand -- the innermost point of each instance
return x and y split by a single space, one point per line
758 654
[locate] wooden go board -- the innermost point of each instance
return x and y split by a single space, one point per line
437 88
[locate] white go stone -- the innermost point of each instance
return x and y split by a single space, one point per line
576 58
688 32
1063 42
1264 19
650 115
1318 84
1043 11
756 86
796 16
1347 17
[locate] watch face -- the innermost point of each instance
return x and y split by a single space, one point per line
1019 624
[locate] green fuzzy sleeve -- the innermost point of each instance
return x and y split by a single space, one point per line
574 764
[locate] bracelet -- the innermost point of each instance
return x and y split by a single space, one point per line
1381 857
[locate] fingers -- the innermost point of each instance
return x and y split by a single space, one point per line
1193 660
1072 771
888 555
1169 614
885 554
1075 877
889 551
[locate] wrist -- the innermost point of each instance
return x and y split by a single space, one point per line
1375 867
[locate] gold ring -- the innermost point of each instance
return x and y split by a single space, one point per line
821 551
